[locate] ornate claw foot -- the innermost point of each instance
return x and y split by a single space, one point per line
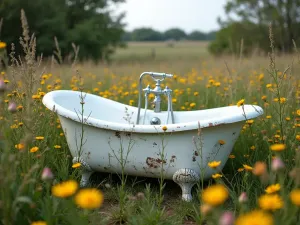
86 171
186 179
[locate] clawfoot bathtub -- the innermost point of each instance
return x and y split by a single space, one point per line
104 138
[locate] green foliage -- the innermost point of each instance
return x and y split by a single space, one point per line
148 34
254 17
85 23
235 36
175 33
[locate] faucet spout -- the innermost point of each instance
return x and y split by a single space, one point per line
156 102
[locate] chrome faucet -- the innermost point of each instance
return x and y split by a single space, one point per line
157 91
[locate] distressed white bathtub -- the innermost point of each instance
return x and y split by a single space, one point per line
111 142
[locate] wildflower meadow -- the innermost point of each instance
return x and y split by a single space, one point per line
260 184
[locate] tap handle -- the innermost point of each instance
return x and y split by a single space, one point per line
160 76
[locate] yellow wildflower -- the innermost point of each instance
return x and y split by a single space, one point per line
64 189
277 147
221 142
250 122
214 164
259 168
298 137
264 98
216 176
164 128
2 44
240 102
268 85
270 202
34 149
76 165
248 168
193 104
272 189
215 195
298 112
57 146
89 198
39 138
295 197
255 217
38 223
231 157
19 146
36 97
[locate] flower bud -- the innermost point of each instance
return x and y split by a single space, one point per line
107 185
12 107
227 218
277 164
205 209
47 174
243 197
259 169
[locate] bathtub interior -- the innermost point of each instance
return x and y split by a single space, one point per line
107 110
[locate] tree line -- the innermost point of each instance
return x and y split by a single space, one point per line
176 34
249 31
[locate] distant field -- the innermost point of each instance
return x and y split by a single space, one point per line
141 51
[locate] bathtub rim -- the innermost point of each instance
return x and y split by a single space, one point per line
49 102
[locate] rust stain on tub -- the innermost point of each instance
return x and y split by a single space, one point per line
118 134
154 163
173 157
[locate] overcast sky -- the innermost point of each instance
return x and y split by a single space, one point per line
161 15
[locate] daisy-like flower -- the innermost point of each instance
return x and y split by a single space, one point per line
64 189
295 197
215 195
270 202
214 164
76 165
272 189
248 168
255 217
221 142
240 102
89 198
277 147
39 138
34 149
216 176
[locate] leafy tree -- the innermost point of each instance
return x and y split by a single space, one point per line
245 35
174 33
283 14
146 34
197 35
87 23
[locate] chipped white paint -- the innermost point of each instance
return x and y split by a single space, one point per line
108 133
